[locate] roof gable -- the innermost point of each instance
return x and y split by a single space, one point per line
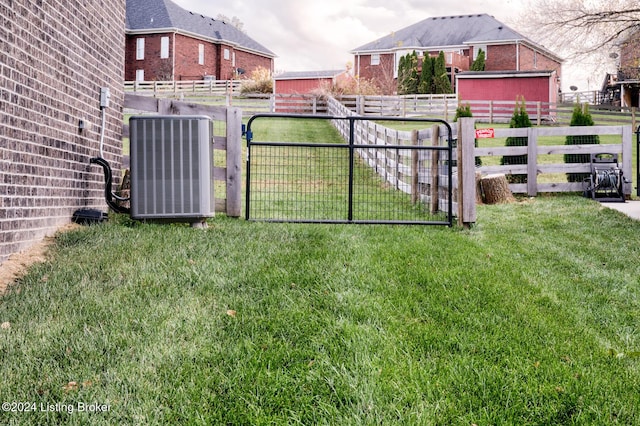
162 15
445 31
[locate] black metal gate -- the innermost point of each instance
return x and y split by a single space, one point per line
322 179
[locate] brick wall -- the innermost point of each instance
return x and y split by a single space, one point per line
506 57
187 66
54 57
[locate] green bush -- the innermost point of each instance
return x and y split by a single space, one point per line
581 117
519 119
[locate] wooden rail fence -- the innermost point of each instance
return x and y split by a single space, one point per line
230 175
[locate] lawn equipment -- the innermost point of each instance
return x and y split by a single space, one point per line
606 179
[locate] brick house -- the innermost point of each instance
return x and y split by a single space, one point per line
167 42
55 55
623 87
460 38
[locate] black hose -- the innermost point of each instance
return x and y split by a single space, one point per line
108 179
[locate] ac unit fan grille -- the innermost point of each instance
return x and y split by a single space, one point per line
171 163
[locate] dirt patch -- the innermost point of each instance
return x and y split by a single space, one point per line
16 265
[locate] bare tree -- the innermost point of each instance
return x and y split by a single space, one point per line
587 33
235 21
582 27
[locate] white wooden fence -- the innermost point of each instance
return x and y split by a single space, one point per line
421 173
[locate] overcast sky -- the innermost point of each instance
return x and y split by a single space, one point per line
314 35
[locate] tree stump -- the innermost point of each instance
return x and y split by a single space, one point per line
496 189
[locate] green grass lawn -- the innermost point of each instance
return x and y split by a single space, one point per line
530 317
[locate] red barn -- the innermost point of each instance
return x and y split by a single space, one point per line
534 86
303 82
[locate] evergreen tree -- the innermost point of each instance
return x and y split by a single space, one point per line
442 84
402 70
581 117
426 77
479 63
413 80
408 78
519 119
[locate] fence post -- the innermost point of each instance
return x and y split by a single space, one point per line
415 169
532 161
491 112
627 148
234 161
466 172
435 177
539 111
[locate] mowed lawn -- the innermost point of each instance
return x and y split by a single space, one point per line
529 317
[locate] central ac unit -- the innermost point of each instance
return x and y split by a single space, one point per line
171 167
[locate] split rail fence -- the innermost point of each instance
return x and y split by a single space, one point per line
227 173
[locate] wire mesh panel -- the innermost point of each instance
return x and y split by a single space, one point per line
307 172
296 182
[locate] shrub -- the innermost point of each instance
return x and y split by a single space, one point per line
519 119
260 81
581 117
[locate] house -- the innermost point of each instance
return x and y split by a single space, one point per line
167 42
56 57
623 87
307 81
460 38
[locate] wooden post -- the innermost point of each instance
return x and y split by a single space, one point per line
532 161
435 178
539 110
415 167
491 112
234 161
466 172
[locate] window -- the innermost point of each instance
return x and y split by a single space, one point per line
233 61
201 54
375 59
140 48
227 54
164 47
139 75
476 50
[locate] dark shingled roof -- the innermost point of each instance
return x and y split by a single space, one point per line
445 31
164 15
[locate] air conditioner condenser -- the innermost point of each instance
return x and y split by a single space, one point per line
171 167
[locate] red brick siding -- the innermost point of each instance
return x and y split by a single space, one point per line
630 52
383 74
55 55
186 59
506 57
155 68
501 58
250 61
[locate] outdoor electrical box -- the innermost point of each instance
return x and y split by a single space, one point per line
171 168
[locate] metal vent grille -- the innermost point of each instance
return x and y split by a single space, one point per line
171 167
